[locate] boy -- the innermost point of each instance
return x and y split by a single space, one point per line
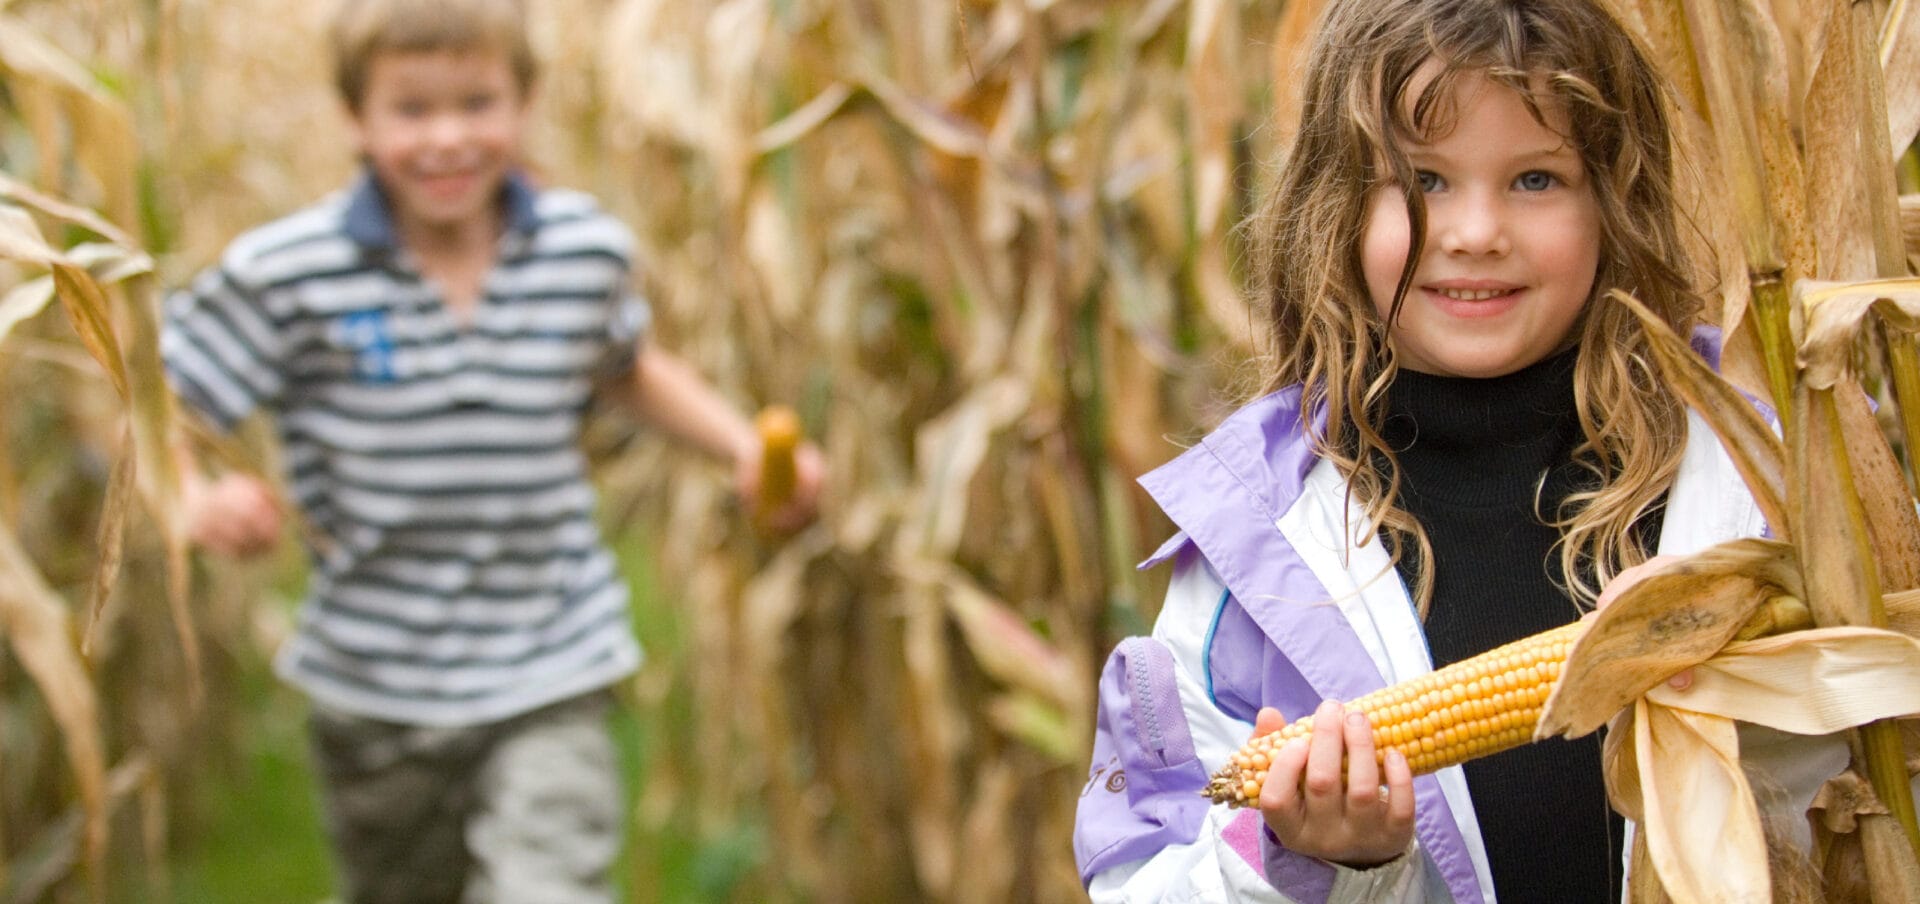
426 343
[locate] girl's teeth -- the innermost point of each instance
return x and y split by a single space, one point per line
1475 294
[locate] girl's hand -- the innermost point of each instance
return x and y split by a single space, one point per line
1625 579
235 515
1320 809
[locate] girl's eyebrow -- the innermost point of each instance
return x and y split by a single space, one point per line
1559 152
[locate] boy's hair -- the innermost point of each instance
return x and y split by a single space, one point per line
363 29
1359 110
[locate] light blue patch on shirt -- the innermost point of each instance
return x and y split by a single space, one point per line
367 333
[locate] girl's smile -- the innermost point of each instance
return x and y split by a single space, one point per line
1512 244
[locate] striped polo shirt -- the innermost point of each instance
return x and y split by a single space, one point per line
458 575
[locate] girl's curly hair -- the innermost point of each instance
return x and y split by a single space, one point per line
1362 104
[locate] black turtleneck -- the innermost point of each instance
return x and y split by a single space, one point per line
1480 462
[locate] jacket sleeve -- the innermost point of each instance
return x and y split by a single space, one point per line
1143 832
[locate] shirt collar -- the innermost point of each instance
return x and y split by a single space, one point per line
369 221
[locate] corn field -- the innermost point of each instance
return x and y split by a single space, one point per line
986 248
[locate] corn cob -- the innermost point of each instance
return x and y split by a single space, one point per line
1469 709
779 429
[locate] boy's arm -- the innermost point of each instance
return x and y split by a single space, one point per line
670 395
223 355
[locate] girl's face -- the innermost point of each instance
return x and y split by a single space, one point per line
1512 245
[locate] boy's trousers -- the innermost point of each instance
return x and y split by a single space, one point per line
524 811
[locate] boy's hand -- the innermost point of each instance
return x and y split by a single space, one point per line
234 515
801 507
1319 808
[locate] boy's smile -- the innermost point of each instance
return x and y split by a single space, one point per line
440 130
1513 238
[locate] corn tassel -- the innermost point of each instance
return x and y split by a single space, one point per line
1472 708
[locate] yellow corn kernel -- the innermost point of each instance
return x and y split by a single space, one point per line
1469 709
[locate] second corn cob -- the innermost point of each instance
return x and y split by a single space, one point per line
1474 707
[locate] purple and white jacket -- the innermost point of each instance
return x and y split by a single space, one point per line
1282 597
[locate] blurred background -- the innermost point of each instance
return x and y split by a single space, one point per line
986 248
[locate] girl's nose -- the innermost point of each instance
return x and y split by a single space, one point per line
1472 225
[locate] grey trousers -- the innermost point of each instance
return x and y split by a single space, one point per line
524 811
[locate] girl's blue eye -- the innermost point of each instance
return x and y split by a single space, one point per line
1534 180
1429 181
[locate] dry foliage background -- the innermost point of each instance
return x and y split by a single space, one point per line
991 300
985 247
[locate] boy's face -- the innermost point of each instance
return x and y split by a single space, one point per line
440 130
1512 245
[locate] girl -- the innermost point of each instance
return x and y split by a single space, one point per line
1462 446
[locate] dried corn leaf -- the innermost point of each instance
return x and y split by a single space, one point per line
934 740
1900 59
1813 682
103 137
1292 42
1006 647
1841 585
1756 452
1702 827
1842 225
802 122
27 54
1893 871
25 195
1037 723
1844 870
1841 801
1782 156
86 307
991 857
1891 519
34 620
20 239
109 540
1678 616
105 145
152 419
24 301
1903 612
1643 880
1618 766
1212 37
1663 26
950 451
1834 314
40 105
1214 109
937 127
1716 27
110 264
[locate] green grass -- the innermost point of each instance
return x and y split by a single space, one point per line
259 839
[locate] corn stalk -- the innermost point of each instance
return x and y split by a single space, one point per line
1848 204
